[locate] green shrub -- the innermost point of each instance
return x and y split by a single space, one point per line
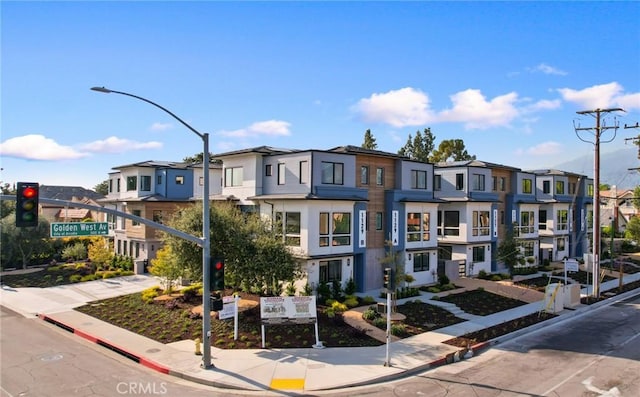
435 298
339 307
433 290
191 292
370 314
398 329
496 277
150 293
75 278
380 322
483 274
307 290
55 268
76 251
89 277
351 302
443 280
350 288
367 300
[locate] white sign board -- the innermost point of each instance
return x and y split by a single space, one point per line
571 265
288 308
228 308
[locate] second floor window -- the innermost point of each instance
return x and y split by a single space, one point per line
542 220
364 175
559 187
332 173
288 225
335 229
233 176
132 182
437 182
380 176
418 226
418 179
481 225
546 187
304 172
459 181
268 170
378 220
448 223
478 182
527 186
145 183
136 213
563 219
282 172
527 220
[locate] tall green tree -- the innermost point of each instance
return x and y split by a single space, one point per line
636 198
420 146
632 231
166 266
102 187
451 149
255 257
369 141
23 244
509 251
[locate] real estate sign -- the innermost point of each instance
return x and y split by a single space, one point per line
74 229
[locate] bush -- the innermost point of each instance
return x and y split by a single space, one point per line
89 277
191 292
150 293
367 300
433 290
75 278
350 288
76 251
496 277
336 290
482 274
398 329
443 280
351 301
338 307
370 314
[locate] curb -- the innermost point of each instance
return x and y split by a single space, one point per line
101 342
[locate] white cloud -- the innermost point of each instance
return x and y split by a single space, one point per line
544 104
160 126
546 69
399 108
471 108
261 128
629 102
117 145
594 97
544 149
38 147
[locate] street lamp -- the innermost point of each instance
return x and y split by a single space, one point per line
206 233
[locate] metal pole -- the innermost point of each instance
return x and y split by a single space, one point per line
387 361
206 232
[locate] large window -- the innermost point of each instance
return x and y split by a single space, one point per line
418 226
527 247
449 223
421 262
459 181
145 183
335 229
136 213
527 222
268 170
527 186
478 182
332 173
380 176
233 176
481 225
562 219
559 187
542 220
418 179
364 175
132 182
330 271
288 226
304 172
437 182
282 172
478 254
378 220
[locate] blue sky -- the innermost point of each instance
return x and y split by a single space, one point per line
505 77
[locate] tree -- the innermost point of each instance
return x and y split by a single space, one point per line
23 244
102 187
636 198
632 231
419 147
256 259
99 251
7 207
393 259
166 266
509 251
451 149
198 158
369 141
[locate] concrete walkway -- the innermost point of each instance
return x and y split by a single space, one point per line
267 370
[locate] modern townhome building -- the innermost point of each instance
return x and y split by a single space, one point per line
152 190
565 214
336 209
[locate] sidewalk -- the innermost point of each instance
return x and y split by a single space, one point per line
295 370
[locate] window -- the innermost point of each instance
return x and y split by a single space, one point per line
339 232
304 172
572 188
563 218
542 220
451 223
560 243
559 187
527 222
136 213
159 180
478 254
503 184
132 182
546 187
590 190
268 170
201 181
179 180
332 173
527 248
459 181
364 175
290 228
418 179
437 182
494 181
118 184
380 176
110 185
233 176
157 216
145 183
527 186
330 270
378 220
502 217
421 262
137 249
480 223
282 171
418 226
478 182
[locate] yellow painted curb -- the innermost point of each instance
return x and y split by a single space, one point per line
287 384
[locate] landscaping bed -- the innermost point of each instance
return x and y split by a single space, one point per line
480 302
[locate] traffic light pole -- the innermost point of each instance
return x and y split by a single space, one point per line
387 360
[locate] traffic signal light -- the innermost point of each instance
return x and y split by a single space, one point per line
217 275
27 204
389 280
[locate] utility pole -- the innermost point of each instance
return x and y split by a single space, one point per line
597 133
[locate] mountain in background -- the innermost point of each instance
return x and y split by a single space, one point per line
614 168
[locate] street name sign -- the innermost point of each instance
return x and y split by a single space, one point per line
75 229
